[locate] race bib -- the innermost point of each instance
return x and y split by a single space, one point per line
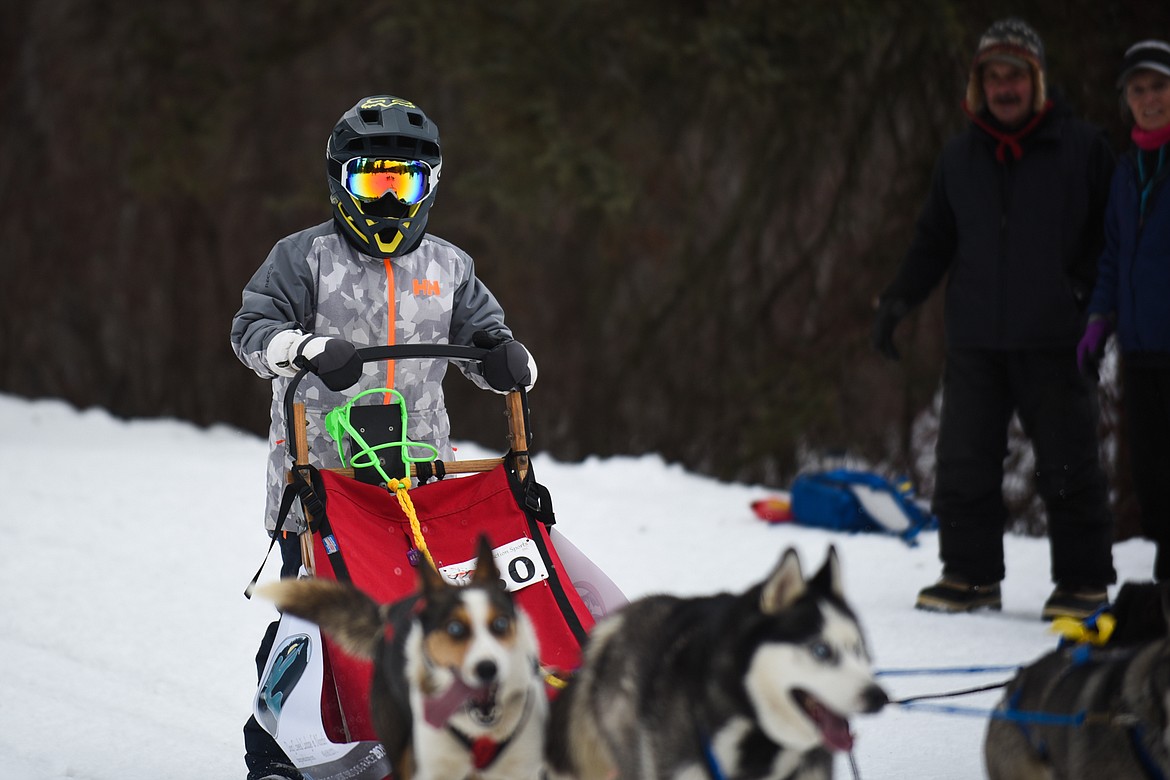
519 562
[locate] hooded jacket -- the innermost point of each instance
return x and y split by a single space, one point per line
317 282
1019 238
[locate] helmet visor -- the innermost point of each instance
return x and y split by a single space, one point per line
370 178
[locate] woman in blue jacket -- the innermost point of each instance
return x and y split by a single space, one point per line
1132 293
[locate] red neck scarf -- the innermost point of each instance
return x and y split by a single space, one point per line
1008 141
1149 140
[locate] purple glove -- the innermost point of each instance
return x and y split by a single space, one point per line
1092 345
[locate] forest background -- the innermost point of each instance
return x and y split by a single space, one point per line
686 207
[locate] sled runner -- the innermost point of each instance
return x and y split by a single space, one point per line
372 523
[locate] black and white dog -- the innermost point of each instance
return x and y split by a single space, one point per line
1083 712
759 684
457 690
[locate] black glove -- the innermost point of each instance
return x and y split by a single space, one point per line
336 361
505 366
889 313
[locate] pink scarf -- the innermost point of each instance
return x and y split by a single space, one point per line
1149 140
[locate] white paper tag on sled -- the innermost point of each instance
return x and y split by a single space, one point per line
519 562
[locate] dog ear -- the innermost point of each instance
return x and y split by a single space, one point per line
828 579
486 571
350 617
784 585
430 580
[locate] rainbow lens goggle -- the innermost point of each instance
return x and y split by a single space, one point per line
370 178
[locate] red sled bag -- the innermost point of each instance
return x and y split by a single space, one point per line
366 535
314 697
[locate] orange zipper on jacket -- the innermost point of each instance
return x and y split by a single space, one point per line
391 321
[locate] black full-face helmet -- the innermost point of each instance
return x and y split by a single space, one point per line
383 161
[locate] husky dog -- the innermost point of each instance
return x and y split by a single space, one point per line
756 685
1084 712
456 690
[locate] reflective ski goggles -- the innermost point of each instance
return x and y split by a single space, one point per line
370 178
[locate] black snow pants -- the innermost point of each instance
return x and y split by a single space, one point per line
1147 407
1057 408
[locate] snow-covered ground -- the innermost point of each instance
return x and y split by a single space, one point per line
126 645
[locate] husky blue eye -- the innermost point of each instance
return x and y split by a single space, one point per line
500 625
821 651
456 630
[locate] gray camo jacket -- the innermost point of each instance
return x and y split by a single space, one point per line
317 282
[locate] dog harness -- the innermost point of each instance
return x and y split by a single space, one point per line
712 763
1083 654
1137 742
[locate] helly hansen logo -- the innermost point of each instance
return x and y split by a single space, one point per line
426 287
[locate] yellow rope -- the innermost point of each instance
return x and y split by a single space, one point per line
400 488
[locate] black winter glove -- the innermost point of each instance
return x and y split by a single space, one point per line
336 361
889 313
505 366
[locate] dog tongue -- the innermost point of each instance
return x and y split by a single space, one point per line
834 729
437 710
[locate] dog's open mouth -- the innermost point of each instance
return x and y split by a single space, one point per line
482 704
834 729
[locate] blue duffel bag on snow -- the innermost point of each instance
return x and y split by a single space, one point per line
856 501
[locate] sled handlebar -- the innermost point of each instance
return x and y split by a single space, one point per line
517 401
395 352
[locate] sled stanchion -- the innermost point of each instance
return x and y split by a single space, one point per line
307 552
300 443
301 448
517 433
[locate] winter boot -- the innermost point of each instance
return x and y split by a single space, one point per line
1075 602
951 594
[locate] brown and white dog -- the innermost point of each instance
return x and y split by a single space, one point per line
457 690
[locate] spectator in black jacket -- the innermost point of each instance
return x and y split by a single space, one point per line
1015 217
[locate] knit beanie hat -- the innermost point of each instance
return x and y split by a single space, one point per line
1012 41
